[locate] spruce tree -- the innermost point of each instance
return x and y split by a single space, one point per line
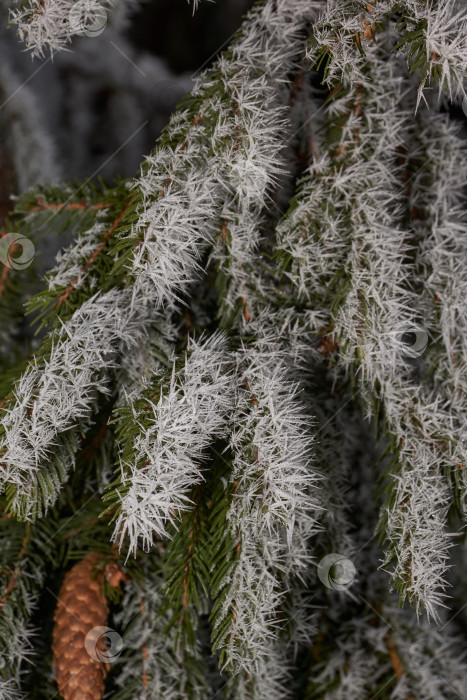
233 411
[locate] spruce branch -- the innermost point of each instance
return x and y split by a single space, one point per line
273 513
374 300
195 176
162 439
269 682
437 159
163 264
51 24
154 663
374 656
22 575
132 368
431 36
96 215
55 396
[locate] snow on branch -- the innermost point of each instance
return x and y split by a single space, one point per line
271 681
369 652
219 146
431 35
56 395
182 191
22 574
312 239
254 166
10 690
272 445
51 24
372 307
154 663
273 514
436 200
163 437
369 325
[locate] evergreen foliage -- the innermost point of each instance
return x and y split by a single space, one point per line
246 359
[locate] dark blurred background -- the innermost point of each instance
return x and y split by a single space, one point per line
97 108
170 30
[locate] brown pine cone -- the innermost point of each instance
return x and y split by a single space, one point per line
81 607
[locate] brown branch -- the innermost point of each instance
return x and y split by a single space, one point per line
96 440
246 313
356 108
224 233
327 344
5 400
42 206
188 322
11 584
395 659
296 87
253 397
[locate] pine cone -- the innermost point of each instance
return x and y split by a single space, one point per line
81 607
